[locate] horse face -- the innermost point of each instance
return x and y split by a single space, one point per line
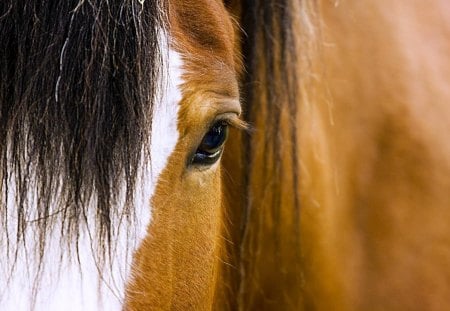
176 264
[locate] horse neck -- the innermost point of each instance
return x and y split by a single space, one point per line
373 189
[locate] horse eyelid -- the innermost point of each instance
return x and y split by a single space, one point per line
234 121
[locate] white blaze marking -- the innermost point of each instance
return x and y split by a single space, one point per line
71 286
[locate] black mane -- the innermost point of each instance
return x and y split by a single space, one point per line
77 83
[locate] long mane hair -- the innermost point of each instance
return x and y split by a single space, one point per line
77 84
278 39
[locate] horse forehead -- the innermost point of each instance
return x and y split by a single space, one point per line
204 35
203 28
164 134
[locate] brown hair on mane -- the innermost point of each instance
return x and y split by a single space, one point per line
77 83
278 37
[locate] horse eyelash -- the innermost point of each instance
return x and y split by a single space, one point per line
237 123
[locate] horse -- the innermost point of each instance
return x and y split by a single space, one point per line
129 180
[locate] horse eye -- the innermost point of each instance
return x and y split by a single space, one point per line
210 149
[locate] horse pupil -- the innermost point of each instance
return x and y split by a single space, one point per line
214 136
214 139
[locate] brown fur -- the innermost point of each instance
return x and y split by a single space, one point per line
374 165
376 172
177 266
